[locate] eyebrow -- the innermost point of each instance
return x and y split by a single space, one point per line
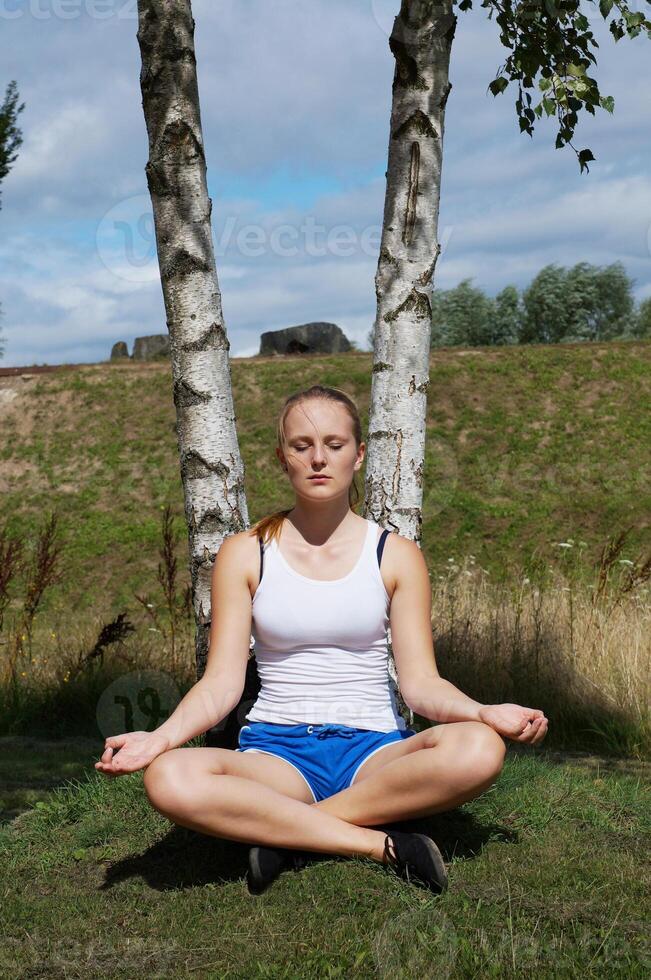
307 438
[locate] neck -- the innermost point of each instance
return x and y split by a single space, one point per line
318 522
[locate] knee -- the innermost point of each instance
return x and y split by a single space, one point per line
163 780
485 750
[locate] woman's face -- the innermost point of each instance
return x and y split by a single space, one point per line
319 440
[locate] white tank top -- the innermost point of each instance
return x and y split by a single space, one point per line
321 646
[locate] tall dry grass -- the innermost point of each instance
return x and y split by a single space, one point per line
581 652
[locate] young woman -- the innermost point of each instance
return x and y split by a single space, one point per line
324 758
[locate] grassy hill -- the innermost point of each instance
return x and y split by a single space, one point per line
526 447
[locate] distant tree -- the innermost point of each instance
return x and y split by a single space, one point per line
640 322
586 302
545 309
10 139
10 135
461 316
600 301
465 316
506 317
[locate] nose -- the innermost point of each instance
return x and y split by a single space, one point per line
318 457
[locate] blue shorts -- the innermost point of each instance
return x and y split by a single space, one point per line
326 756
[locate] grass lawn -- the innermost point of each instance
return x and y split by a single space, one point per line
549 876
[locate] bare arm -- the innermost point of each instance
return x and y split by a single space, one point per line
424 691
220 688
421 686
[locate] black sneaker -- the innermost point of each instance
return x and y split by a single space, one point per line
416 857
266 863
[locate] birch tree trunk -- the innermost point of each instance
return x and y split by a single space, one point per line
421 41
212 470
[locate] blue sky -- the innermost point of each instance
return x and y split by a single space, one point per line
295 102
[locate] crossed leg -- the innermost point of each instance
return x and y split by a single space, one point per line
257 798
436 770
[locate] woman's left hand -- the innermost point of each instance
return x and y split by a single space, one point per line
515 722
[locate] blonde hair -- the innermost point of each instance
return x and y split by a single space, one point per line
269 527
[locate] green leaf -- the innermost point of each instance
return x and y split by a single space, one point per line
616 30
605 6
584 156
498 85
544 84
607 103
549 106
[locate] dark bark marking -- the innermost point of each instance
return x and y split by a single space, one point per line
182 263
412 195
444 97
185 396
416 303
179 136
195 467
387 256
417 121
413 387
213 339
406 73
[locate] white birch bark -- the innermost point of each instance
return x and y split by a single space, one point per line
421 42
212 470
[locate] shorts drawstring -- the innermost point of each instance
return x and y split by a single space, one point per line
334 730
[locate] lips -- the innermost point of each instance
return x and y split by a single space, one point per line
318 477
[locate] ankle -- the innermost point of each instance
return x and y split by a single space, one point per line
378 852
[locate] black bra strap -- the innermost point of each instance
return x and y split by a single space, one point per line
261 559
380 546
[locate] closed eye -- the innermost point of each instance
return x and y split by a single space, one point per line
300 449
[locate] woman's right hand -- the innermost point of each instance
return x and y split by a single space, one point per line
130 752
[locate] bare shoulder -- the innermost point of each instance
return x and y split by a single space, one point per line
241 554
402 562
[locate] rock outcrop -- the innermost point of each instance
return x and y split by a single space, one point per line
306 338
119 350
150 348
